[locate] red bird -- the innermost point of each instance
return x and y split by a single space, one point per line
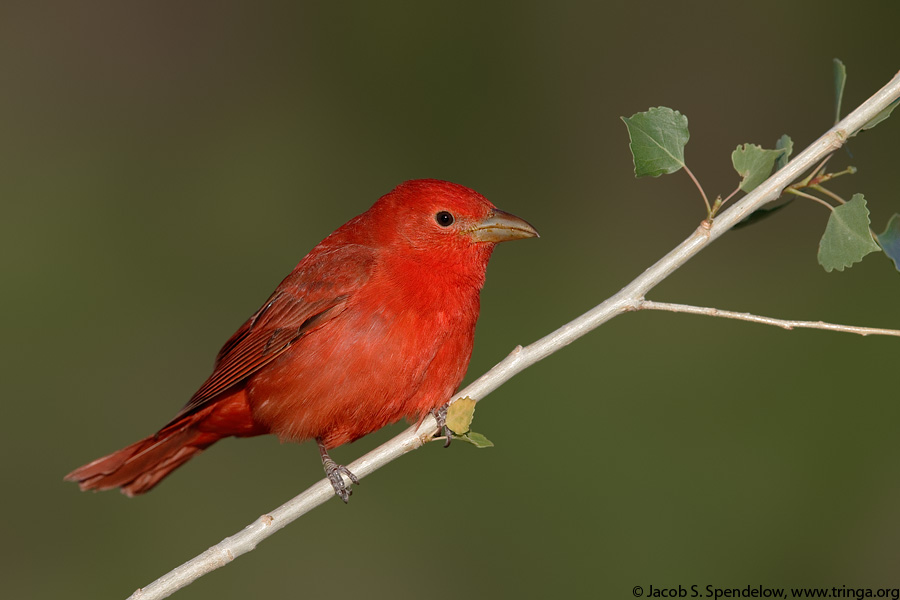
374 325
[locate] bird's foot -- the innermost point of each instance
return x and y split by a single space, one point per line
335 474
440 415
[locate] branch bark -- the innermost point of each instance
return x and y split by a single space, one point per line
784 324
627 299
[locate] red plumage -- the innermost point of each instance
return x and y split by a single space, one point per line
375 324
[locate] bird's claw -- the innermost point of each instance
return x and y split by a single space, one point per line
440 415
335 473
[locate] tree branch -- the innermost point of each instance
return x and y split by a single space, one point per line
627 299
728 314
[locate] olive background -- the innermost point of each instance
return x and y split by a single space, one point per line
163 165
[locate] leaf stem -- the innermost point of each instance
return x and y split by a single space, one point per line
828 193
820 167
730 196
699 187
808 196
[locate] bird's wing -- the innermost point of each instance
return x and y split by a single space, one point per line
307 299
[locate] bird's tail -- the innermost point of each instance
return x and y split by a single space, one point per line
139 467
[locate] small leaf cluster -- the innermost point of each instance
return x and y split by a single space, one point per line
658 138
459 421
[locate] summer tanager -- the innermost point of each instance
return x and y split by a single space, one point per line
375 324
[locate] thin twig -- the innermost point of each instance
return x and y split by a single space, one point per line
820 179
784 324
624 301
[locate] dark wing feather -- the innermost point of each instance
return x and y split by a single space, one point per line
315 292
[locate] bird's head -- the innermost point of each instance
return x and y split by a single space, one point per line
429 214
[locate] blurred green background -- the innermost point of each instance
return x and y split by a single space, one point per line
165 164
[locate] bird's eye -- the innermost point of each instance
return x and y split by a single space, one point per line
444 219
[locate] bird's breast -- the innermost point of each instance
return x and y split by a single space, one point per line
391 353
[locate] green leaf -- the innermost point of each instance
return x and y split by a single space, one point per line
847 238
882 115
786 145
460 414
658 137
754 164
840 79
890 240
476 439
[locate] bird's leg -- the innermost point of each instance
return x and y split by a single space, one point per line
334 473
440 415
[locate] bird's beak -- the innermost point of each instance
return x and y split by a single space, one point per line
501 226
